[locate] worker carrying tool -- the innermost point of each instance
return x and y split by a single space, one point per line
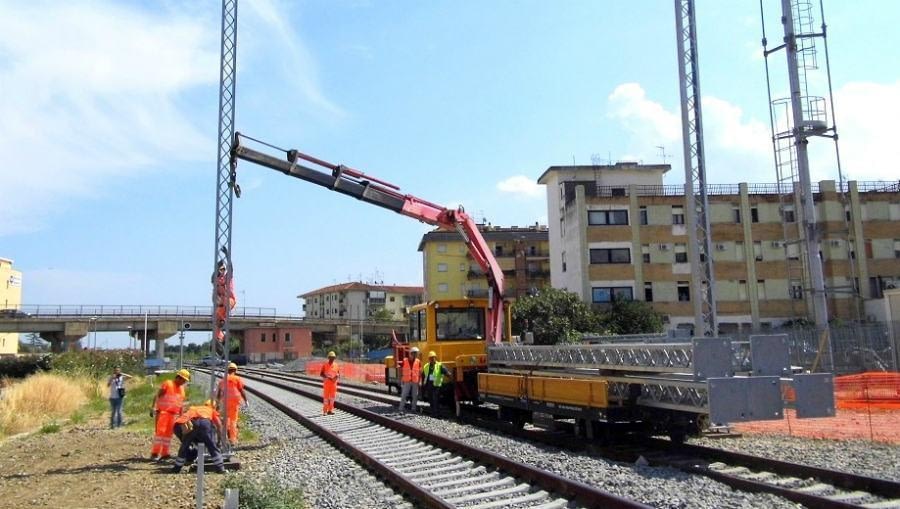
223 295
166 407
231 390
409 379
198 425
330 373
433 373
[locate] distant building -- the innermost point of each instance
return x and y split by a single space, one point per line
357 301
277 343
10 299
451 273
617 231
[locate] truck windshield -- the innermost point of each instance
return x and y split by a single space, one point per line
455 324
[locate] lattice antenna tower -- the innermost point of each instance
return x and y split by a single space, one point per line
226 185
696 201
796 118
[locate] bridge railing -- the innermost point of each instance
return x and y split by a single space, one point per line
117 310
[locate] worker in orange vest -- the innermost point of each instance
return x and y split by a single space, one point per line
232 386
198 425
409 379
223 295
166 406
330 373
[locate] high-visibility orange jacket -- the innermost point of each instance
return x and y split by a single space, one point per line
199 412
233 385
330 371
411 372
172 398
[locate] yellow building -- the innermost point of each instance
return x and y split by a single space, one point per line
11 299
450 273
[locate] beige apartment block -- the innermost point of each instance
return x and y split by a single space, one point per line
451 273
10 300
355 300
618 231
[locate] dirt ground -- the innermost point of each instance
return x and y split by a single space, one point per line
89 466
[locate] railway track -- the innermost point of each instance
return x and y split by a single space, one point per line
431 469
811 486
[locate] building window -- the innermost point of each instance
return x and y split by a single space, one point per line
262 337
793 251
532 250
848 215
742 290
789 215
681 253
739 251
684 291
736 215
754 215
614 255
896 248
442 248
287 337
498 250
757 251
442 267
617 191
796 289
761 289
393 299
677 215
275 337
443 288
607 217
606 294
648 292
563 261
645 220
645 253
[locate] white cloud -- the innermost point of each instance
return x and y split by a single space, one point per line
866 114
646 119
521 186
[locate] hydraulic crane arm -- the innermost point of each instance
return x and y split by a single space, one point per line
351 182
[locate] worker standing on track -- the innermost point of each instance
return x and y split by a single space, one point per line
433 374
198 425
166 407
231 390
330 373
409 379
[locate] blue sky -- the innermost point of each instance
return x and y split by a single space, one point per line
109 124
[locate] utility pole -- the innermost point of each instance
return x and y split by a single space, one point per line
703 291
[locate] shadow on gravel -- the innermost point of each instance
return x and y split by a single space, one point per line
123 465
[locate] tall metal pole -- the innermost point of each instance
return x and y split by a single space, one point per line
817 280
697 204
225 180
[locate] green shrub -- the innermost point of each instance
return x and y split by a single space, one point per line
97 363
50 427
263 493
20 367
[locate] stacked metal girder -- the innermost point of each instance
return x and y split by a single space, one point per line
697 377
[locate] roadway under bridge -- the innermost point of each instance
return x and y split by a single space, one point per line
65 326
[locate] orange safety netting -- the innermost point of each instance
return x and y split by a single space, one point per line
868 407
350 371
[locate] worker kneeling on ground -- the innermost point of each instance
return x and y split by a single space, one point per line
433 374
330 373
231 390
409 380
198 425
166 407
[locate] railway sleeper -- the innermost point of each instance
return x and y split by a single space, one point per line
884 504
456 482
432 466
509 503
519 488
456 492
452 468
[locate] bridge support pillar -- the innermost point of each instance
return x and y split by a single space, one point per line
61 342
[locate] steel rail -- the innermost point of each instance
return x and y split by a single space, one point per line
584 494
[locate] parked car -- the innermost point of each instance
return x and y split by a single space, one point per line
211 360
14 313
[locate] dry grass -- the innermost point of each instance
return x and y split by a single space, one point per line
42 398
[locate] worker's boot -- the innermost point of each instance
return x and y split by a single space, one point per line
176 469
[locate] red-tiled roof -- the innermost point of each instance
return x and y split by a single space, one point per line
363 287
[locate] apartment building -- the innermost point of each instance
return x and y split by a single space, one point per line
356 300
619 232
264 344
450 272
10 299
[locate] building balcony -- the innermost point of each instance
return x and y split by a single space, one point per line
477 293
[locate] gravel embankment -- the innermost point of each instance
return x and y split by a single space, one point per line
860 457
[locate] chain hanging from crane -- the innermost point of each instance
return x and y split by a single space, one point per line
697 203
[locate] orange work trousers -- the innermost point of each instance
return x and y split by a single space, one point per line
234 404
162 438
329 393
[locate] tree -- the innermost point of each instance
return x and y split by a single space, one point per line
631 317
554 316
382 315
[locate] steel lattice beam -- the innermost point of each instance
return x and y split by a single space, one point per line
697 204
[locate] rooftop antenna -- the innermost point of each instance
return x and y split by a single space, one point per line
662 153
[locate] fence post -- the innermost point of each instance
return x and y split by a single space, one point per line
201 460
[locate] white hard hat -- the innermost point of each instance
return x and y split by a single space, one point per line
414 349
